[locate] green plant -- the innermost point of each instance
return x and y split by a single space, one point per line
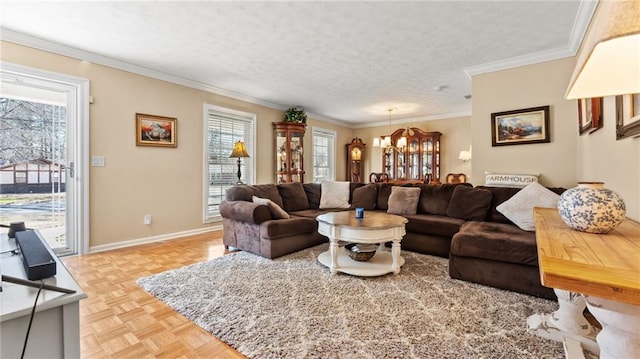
295 114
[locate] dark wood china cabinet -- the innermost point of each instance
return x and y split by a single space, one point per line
415 158
289 141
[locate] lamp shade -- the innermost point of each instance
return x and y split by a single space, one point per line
239 150
376 142
465 156
609 63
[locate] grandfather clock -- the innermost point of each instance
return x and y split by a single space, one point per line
355 160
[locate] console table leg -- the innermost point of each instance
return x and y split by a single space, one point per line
620 334
566 322
395 255
333 249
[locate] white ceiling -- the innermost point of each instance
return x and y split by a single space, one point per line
342 61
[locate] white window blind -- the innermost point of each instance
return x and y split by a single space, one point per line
223 127
323 155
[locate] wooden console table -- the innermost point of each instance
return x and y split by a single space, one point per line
599 270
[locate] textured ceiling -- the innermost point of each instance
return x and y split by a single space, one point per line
342 61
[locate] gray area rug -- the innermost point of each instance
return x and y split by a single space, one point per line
292 307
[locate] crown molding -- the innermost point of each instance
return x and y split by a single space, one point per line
580 25
444 116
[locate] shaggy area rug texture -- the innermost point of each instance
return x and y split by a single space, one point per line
292 307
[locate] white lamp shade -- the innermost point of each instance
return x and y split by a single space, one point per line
402 142
609 63
465 156
376 142
387 141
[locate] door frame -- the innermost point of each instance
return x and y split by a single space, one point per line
78 112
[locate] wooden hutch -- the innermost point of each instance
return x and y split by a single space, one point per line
417 161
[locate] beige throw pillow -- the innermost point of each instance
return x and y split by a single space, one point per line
276 211
334 195
403 200
519 208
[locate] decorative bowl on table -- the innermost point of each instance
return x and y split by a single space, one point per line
360 252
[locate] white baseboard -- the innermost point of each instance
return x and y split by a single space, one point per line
158 238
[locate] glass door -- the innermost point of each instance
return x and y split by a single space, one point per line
38 156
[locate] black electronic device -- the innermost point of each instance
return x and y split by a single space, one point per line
38 262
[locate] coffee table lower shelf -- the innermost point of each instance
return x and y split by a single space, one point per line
379 265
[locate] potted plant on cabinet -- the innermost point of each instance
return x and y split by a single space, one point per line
295 115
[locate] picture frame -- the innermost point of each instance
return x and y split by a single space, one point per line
627 116
157 131
519 127
589 115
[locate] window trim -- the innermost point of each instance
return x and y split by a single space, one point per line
251 117
332 156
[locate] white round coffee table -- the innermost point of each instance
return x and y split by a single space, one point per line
375 227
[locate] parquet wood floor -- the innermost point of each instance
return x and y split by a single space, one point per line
120 320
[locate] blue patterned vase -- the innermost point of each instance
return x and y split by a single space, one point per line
591 208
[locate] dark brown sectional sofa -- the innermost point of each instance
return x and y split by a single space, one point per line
456 221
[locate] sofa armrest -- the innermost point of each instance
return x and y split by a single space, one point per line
288 227
244 211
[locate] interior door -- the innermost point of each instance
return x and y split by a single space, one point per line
40 154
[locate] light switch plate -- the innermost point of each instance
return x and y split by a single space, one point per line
97 161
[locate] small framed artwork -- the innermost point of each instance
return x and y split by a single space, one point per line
156 131
589 115
519 127
627 116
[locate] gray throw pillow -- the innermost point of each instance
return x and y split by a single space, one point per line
403 200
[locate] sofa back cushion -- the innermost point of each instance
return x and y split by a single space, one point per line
246 193
313 191
384 191
434 199
365 197
468 203
294 197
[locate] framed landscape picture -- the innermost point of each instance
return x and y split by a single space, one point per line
519 127
589 114
156 131
627 116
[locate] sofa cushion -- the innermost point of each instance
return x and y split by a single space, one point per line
498 196
519 208
245 193
469 203
384 191
495 241
433 224
294 198
313 191
434 199
403 200
313 213
335 194
278 228
365 197
276 211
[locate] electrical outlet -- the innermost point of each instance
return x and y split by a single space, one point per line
147 219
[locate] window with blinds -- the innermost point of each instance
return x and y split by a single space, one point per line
323 155
223 128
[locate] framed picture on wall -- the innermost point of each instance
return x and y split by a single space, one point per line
158 131
627 116
589 114
519 127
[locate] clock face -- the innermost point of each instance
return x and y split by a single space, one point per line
356 154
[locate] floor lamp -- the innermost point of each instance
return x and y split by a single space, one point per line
239 151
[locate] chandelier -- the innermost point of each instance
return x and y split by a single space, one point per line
386 141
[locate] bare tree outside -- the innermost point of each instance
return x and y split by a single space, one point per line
32 161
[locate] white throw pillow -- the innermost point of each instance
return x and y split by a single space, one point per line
334 195
519 208
276 211
496 179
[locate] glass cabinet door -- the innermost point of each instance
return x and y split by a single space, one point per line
281 157
296 156
414 160
427 156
